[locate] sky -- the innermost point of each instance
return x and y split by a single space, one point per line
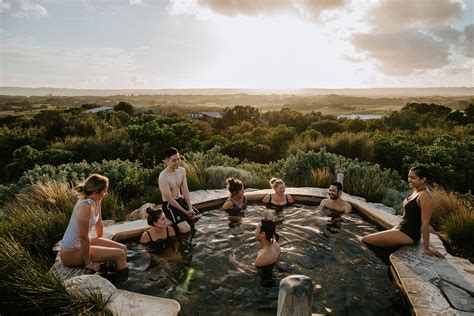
253 44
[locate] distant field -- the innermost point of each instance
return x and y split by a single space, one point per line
326 104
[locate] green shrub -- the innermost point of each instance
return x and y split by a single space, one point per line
367 181
296 168
218 176
394 198
212 157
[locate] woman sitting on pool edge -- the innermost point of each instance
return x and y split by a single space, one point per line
279 199
77 248
268 254
418 208
236 203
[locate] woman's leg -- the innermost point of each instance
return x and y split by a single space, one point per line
101 254
104 242
388 239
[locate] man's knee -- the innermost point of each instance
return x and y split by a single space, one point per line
184 227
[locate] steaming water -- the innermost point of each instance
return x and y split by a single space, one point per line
347 277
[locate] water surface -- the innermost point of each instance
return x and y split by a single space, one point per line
348 278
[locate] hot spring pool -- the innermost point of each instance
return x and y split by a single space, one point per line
348 278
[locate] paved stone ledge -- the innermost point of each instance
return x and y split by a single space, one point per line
433 286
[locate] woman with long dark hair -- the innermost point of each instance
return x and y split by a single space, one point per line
415 223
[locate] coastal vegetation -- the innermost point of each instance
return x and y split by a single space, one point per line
43 154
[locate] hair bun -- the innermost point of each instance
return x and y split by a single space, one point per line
272 180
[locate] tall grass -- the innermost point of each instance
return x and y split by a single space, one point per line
459 228
454 218
197 175
34 228
28 287
35 221
445 204
320 178
52 195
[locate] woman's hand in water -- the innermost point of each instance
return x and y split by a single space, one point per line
232 258
433 253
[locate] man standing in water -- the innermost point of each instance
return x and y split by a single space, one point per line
335 203
175 193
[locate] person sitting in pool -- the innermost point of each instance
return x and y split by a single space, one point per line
336 204
236 204
269 252
159 236
279 199
418 208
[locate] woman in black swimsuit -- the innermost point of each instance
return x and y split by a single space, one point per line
159 236
279 199
416 217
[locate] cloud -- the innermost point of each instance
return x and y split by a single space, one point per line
390 14
136 2
446 33
23 8
467 44
4 6
307 8
403 52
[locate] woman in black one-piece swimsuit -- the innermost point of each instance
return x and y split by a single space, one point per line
418 208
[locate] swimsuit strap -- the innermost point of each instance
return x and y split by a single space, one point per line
149 236
270 200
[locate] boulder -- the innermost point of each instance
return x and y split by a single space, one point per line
92 283
139 213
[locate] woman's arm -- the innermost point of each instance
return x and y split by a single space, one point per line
145 239
426 204
226 206
266 198
99 225
291 200
83 218
241 266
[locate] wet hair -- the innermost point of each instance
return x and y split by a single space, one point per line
234 185
274 182
170 152
154 214
94 183
422 172
338 185
269 228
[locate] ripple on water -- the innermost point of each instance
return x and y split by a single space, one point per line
347 277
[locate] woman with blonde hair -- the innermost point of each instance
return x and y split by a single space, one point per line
77 248
279 199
